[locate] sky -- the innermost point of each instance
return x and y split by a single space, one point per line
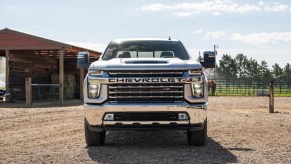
258 29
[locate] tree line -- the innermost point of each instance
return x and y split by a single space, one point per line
242 67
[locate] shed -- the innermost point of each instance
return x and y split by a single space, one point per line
45 61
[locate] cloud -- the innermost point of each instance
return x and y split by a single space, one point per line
155 7
215 7
261 39
100 47
275 7
214 35
183 14
216 13
197 31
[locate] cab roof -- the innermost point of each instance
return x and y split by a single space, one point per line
144 39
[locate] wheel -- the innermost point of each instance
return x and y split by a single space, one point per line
197 138
93 138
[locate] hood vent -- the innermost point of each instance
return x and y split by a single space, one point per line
146 62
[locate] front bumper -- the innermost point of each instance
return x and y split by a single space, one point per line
94 115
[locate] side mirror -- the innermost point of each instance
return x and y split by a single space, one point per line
83 60
209 59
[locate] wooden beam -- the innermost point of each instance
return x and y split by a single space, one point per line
81 83
271 97
61 76
7 70
28 92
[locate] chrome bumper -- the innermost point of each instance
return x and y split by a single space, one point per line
94 113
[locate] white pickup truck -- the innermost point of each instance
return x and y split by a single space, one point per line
145 84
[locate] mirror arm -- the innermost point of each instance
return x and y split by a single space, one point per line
83 65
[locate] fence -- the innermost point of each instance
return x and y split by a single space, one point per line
28 90
250 87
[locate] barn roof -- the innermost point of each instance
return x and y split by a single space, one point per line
15 40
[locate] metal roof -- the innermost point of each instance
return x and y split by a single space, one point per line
15 40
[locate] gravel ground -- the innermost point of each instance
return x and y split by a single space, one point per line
240 131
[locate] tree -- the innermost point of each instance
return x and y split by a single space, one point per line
227 67
241 62
199 59
264 72
252 69
286 75
277 70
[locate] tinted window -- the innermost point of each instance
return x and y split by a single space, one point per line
145 49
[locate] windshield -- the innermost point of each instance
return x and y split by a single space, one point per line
145 49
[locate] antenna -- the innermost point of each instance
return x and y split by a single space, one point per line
215 53
215 47
169 38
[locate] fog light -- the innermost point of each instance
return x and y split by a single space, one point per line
182 116
109 117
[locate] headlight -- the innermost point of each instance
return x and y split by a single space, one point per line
197 89
96 73
93 89
195 72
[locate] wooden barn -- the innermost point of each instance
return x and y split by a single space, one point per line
45 62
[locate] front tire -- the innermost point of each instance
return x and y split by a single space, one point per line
197 138
93 138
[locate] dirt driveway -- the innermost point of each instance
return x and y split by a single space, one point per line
240 130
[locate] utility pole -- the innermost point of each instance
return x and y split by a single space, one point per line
215 46
215 52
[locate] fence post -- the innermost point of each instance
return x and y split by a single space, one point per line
271 97
28 92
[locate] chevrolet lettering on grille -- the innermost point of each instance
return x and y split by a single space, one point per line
146 80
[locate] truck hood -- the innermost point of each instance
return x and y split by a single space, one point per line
145 64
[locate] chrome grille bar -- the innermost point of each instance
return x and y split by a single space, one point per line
124 97
146 92
115 92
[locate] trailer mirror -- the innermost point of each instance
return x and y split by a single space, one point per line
209 59
83 60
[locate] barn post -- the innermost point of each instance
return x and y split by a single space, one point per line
81 83
61 76
7 70
271 97
28 92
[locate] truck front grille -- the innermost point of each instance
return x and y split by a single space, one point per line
145 116
146 92
147 73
